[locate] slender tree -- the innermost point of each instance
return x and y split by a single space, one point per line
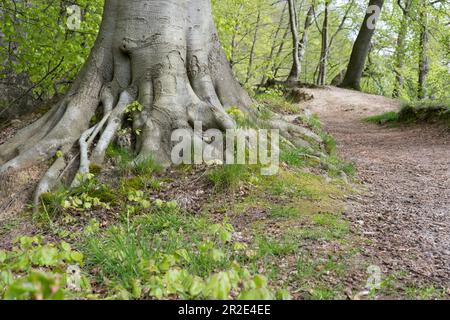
253 48
423 56
400 48
324 49
303 44
234 41
293 23
274 53
361 46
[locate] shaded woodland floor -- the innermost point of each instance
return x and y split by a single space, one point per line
306 230
405 171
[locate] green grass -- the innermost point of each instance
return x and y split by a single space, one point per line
146 167
322 293
387 117
300 157
284 213
165 252
332 225
274 101
425 293
128 164
273 247
228 177
416 112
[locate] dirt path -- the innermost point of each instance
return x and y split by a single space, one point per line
405 211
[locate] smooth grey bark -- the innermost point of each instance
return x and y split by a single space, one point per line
166 55
303 43
360 51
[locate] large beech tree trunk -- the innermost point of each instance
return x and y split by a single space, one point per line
361 50
166 55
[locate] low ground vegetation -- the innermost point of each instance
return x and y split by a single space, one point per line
223 232
431 111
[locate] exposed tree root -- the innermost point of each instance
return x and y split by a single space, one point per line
178 81
50 179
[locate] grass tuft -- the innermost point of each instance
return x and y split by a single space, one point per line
228 177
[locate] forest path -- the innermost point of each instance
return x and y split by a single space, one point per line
405 210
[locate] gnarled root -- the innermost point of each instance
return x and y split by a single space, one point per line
178 80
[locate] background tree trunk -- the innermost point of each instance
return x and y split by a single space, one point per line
295 70
303 44
321 78
275 45
423 58
360 50
252 50
400 50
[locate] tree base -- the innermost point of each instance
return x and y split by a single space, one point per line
176 80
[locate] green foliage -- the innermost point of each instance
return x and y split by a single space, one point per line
426 111
134 107
228 177
127 162
89 194
165 254
34 270
44 42
237 114
274 100
387 117
416 112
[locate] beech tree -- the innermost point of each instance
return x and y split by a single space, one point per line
400 50
293 23
424 66
361 47
163 57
